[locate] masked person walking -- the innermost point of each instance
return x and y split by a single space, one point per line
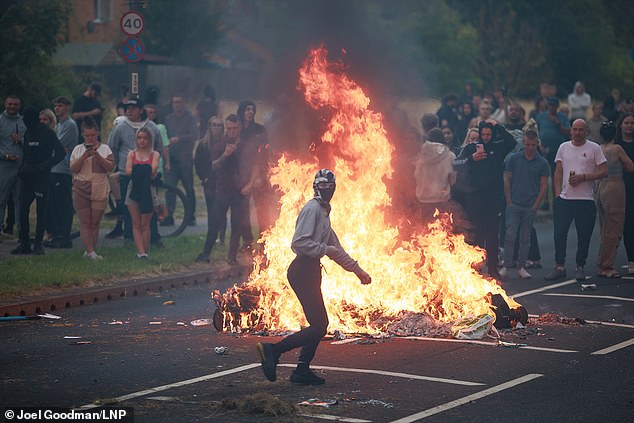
313 239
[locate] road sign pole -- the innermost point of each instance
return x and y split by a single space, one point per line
132 49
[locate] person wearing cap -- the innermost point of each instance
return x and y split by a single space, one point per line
121 141
554 128
60 210
87 105
313 239
525 185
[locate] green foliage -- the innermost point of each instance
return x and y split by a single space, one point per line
185 31
30 32
444 51
526 42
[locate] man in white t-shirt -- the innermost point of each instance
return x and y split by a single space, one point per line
578 163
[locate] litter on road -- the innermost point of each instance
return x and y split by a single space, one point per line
34 317
319 403
201 322
221 350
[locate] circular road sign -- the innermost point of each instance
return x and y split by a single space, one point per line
132 23
132 49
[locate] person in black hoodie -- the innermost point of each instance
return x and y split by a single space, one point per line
486 169
42 150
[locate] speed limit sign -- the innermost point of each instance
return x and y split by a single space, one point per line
132 23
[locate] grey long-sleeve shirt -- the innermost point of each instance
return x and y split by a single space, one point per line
313 234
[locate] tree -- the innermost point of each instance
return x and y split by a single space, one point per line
186 30
29 35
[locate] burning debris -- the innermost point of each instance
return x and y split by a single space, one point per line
425 277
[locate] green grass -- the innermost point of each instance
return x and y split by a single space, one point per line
67 268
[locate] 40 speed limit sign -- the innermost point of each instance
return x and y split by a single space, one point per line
132 23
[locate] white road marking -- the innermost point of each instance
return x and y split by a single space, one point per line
464 400
621 325
604 297
490 344
628 277
613 348
335 418
174 385
543 288
394 374
345 341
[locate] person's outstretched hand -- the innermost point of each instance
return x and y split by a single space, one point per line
364 277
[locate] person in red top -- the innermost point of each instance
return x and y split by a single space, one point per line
141 166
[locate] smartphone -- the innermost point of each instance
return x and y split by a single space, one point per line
479 148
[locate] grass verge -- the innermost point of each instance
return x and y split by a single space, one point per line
61 269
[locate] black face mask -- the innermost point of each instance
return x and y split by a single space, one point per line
326 194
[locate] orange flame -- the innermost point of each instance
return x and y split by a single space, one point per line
431 273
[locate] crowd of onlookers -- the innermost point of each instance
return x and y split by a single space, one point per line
488 161
59 160
482 157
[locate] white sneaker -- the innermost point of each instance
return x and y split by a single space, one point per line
504 272
522 273
94 256
630 268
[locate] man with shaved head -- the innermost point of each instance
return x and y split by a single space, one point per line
578 163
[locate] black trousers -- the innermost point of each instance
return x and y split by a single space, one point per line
304 275
222 202
183 172
60 207
484 210
34 187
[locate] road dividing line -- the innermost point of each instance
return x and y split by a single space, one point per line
469 398
543 288
620 325
613 348
335 418
394 374
489 344
604 297
174 385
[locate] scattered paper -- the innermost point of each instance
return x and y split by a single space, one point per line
201 322
319 403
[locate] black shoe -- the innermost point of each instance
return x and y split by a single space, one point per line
306 378
168 221
269 360
191 222
117 232
8 230
21 249
202 258
38 250
157 244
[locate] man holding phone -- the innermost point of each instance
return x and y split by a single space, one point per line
486 169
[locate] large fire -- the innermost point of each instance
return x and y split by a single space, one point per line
431 273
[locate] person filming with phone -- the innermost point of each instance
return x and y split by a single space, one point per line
486 169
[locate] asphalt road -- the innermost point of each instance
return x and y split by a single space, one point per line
170 372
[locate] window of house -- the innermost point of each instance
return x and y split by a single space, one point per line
103 11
